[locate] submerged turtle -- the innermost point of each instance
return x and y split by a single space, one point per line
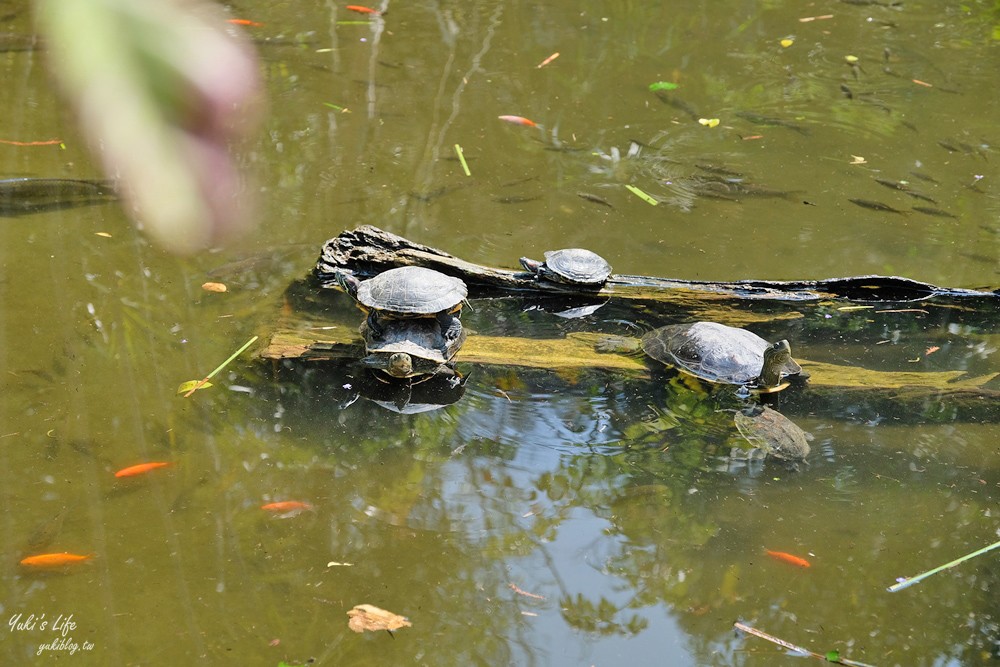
410 348
573 266
408 292
773 433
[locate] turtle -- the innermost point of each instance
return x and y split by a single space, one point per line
773 433
716 353
571 266
408 292
406 349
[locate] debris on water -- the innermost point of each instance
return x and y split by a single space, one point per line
366 617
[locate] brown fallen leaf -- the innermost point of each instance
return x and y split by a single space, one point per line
369 617
214 287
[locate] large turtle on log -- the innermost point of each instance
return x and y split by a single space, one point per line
408 292
724 355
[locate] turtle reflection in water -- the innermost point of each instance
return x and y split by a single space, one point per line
719 354
570 266
406 349
772 433
408 292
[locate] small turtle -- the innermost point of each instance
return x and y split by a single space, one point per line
722 354
410 348
773 433
408 292
572 266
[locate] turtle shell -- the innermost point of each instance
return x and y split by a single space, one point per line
577 265
773 433
421 340
711 351
412 290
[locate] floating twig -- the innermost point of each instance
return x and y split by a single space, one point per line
221 366
907 582
461 158
547 60
831 656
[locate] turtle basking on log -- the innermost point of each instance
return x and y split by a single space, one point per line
718 354
408 292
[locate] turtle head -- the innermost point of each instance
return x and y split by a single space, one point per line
347 282
530 265
400 365
775 357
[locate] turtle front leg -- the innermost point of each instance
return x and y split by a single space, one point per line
451 326
374 325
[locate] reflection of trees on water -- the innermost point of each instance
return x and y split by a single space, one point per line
493 480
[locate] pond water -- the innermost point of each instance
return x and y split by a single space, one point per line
545 516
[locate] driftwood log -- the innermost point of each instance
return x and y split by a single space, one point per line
318 323
367 251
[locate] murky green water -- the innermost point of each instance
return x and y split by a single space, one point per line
544 518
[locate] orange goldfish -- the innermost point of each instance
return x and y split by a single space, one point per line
788 558
518 120
53 560
252 24
362 10
286 506
139 469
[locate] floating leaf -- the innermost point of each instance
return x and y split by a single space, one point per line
851 59
190 385
709 122
857 159
104 234
366 617
787 42
642 195
663 85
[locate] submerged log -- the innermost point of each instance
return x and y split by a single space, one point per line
368 250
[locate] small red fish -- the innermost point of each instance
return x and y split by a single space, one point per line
141 468
518 120
286 506
362 10
252 24
53 560
788 558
